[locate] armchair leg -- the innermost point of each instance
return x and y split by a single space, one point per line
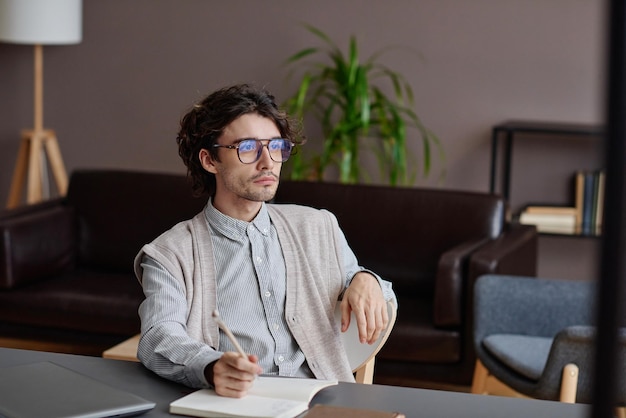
365 374
569 383
484 383
479 381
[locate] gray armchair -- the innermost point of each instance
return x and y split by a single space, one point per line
536 336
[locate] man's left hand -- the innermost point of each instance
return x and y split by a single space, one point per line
365 298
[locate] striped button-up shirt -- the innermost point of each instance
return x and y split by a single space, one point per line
251 285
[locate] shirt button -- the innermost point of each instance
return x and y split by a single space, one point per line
259 260
281 358
276 326
268 294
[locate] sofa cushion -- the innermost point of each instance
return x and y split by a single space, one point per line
115 212
80 300
408 242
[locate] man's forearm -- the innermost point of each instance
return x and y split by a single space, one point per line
172 354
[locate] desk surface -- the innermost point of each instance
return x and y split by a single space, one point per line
418 403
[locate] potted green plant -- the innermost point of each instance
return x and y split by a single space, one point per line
348 97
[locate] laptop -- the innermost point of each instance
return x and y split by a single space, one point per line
45 389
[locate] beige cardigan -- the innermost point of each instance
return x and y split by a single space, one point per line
315 279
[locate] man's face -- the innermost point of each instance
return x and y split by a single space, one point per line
255 182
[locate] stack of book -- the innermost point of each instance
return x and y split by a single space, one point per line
584 218
551 219
590 201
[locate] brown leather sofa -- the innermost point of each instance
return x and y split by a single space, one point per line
66 265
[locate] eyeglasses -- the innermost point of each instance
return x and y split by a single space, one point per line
249 150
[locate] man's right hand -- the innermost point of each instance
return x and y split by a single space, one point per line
233 375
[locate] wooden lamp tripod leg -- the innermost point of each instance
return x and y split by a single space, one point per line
28 167
56 162
32 145
19 173
35 189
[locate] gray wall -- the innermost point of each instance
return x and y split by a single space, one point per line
115 99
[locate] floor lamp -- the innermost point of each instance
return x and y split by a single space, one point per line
38 23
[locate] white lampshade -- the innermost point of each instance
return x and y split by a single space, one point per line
41 22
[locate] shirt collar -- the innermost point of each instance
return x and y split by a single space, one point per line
236 228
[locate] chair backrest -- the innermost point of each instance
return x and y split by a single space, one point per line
362 356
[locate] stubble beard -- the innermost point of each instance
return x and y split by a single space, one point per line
247 190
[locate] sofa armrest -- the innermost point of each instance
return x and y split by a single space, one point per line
451 269
23 210
35 243
514 252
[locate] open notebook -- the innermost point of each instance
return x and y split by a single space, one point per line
45 389
269 397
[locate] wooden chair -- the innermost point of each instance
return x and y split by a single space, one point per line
361 356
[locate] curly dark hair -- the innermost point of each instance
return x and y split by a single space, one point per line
205 122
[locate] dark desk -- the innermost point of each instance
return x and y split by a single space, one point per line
417 403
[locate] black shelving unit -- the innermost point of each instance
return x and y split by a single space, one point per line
508 130
506 133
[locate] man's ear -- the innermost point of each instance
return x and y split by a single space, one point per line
207 161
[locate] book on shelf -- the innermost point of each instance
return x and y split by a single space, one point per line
588 191
559 222
551 210
600 202
579 195
269 397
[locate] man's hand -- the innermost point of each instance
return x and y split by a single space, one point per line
365 298
233 375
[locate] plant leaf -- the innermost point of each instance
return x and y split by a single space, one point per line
348 97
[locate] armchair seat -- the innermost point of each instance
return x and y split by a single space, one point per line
524 354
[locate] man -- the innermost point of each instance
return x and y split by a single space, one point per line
274 272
